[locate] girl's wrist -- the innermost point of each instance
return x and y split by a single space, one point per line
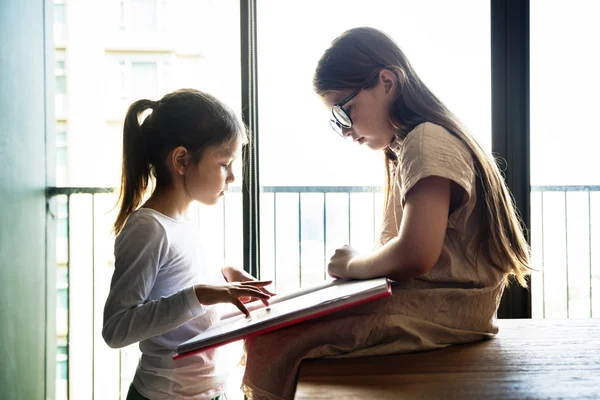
357 268
198 291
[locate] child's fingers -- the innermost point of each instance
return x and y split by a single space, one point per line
256 283
246 299
251 292
265 302
236 302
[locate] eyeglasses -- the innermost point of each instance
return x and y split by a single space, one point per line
340 118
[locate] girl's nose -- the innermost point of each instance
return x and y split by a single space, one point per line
230 177
346 132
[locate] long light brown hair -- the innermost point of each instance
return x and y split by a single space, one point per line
185 117
353 61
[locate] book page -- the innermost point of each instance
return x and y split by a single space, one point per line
229 310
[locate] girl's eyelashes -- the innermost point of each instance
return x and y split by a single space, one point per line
226 165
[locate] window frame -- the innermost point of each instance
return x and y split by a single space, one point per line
510 126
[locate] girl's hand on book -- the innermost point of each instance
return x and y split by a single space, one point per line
340 263
232 274
232 293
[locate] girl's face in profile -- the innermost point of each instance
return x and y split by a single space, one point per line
208 180
369 111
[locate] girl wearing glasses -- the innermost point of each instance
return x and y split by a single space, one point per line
451 237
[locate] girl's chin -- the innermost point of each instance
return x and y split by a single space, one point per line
375 146
210 202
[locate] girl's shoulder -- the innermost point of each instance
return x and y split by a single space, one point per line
143 223
428 138
430 132
146 216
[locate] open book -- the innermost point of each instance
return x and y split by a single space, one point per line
286 310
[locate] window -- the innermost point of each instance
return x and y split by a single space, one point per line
318 188
565 201
138 15
62 369
62 163
144 80
60 21
63 298
60 16
61 79
131 77
134 58
60 72
143 15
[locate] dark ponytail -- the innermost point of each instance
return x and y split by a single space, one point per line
185 117
135 171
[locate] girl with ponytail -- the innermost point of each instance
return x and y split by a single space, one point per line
162 292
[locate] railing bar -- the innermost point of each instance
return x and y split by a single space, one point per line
574 188
590 249
224 230
54 191
300 239
324 236
543 260
374 225
275 240
321 189
349 221
567 251
93 295
120 374
69 285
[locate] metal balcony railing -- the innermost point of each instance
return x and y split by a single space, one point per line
300 228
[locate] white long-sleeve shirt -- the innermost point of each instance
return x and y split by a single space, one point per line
158 260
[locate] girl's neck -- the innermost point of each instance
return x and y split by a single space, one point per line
169 201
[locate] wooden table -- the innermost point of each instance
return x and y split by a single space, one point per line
533 359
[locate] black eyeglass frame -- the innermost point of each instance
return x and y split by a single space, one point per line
335 123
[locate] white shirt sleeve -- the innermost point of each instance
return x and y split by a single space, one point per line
129 315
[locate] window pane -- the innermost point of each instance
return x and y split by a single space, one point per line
565 202
61 84
448 43
62 161
109 68
62 368
60 72
59 13
60 21
143 15
144 80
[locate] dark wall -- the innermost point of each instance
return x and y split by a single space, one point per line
23 268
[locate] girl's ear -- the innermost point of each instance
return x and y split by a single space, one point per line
180 159
388 81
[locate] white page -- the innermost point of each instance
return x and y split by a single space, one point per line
228 310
